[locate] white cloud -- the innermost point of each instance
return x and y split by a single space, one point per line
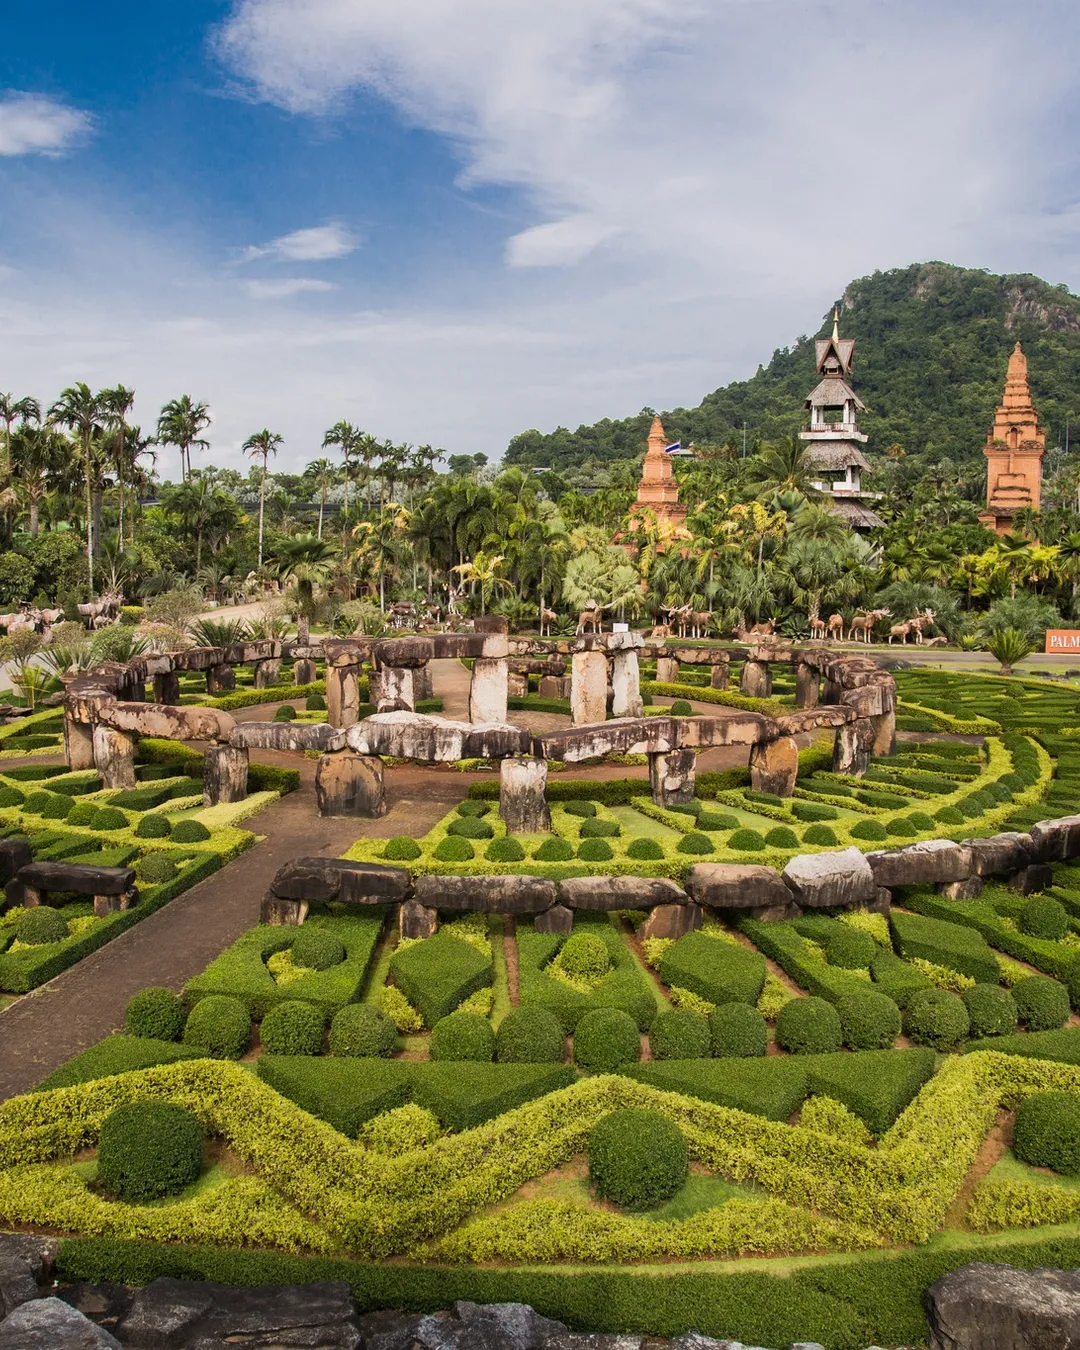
31 124
558 243
320 243
286 288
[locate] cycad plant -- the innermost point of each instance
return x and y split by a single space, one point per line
219 632
1009 647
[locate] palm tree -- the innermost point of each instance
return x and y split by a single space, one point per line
786 465
179 424
264 443
485 570
80 411
116 404
347 438
325 476
38 456
12 410
307 560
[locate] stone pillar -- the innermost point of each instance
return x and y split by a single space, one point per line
220 679
225 772
626 684
557 919
756 680
522 804
807 685
719 675
391 689
774 766
671 921
554 686
667 670
111 904
421 683
517 686
304 672
830 691
672 776
347 784
416 920
303 631
78 744
268 672
114 757
488 689
854 746
167 688
342 695
281 913
885 733
588 688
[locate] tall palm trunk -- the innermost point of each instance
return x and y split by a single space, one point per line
34 508
262 503
89 514
322 508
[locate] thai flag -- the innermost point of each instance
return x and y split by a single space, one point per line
675 445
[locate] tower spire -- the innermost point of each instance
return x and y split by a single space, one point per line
836 323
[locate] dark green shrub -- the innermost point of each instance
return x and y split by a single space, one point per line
821 836
554 850
315 703
359 1031
695 843
868 829
851 949
148 1150
716 820
11 796
1047 1132
108 818
782 836
155 1012
813 811
463 1035
316 949
948 815
401 849
737 1031
286 713
937 1018
679 1034
869 1021
529 1034
189 832
595 850
220 1026
585 956
577 808
151 827
471 806
41 924
1043 1003
637 1159
900 828
156 867
505 849
600 829
809 1026
923 823
991 1009
681 708
453 849
604 1039
1044 917
645 850
746 841
292 1027
766 798
470 827
969 807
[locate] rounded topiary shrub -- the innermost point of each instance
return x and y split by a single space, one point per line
470 827
645 850
111 818
900 828
1044 917
529 1034
154 1012
220 1026
578 808
598 828
717 820
463 1035
820 836
812 811
554 850
585 956
505 850
292 1028
453 849
694 842
868 829
679 1034
401 849
605 1038
869 1021
637 1159
737 1031
286 713
1043 1003
82 813
922 822
937 1018
152 827
41 924
595 850
473 806
681 708
991 1009
948 815
782 836
809 1026
315 703
1047 1132
316 949
189 832
156 867
11 796
851 949
148 1150
746 841
360 1031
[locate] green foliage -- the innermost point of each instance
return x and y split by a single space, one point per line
680 1034
115 1054
871 830
463 1036
813 811
11 796
155 1012
345 1092
579 808
317 949
604 1039
455 849
991 1009
644 850
597 850
1044 917
722 972
155 867
292 1028
712 821
600 829
737 1031
401 849
471 807
40 925
584 956
820 836
1043 1003
1047 1132
937 1018
189 832
360 1030
439 973
470 827
782 837
746 841
529 1035
219 1026
505 850
286 713
851 949
869 1021
681 708
315 703
148 1150
944 944
695 843
808 1026
637 1159
152 827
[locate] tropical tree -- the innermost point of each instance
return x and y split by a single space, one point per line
325 476
12 410
115 405
81 412
39 456
262 444
1009 646
181 423
307 560
347 438
483 570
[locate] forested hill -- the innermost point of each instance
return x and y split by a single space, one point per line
932 344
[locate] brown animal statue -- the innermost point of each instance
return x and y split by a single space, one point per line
817 628
547 618
862 625
590 617
921 620
660 632
700 622
835 628
766 629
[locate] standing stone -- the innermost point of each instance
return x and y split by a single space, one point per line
279 912
969 889
555 686
304 671
78 744
225 773
167 687
416 920
588 688
517 686
774 766
667 670
672 776
756 679
220 679
854 747
997 1307
268 673
421 683
557 919
626 685
488 689
807 686
391 689
303 631
522 804
114 757
105 905
671 921
884 733
342 695
718 675
348 784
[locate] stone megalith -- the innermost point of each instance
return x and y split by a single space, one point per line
807 685
114 757
522 803
672 776
489 689
304 671
348 784
667 670
78 743
774 766
225 772
625 684
268 672
220 679
756 680
342 695
854 747
391 689
167 687
588 687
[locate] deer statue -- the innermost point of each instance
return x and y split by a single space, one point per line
835 628
547 618
862 625
660 632
901 631
590 617
700 622
817 628
921 620
766 629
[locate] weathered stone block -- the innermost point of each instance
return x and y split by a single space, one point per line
225 772
517 686
51 1324
347 784
1056 840
672 777
625 685
403 652
78 743
391 689
319 736
1032 879
986 1306
807 685
735 886
822 880
1000 855
416 920
969 889
167 687
342 695
511 894
14 853
928 863
619 736
522 802
854 747
774 766
268 673
671 921
114 757
738 728
667 670
588 687
112 904
756 679
609 893
280 913
77 877
884 734
304 671
555 686
488 690
557 919
167 722
719 676
220 679
436 740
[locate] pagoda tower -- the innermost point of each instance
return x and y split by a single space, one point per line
658 491
1015 446
833 438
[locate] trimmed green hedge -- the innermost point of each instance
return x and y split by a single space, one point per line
719 971
944 944
435 975
625 986
118 1053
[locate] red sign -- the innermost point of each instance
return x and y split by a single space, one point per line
1063 639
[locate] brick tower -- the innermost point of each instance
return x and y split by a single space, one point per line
658 492
1015 446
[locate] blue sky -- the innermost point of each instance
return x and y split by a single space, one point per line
450 220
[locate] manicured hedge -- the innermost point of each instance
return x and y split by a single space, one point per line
117 1053
437 974
944 944
625 986
148 1150
637 1159
719 971
464 1095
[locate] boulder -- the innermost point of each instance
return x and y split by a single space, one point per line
620 736
824 880
929 862
1056 840
494 1326
510 894
774 766
416 920
997 1307
14 853
1032 879
319 736
557 919
736 886
620 893
18 1283
78 877
1001 855
671 921
347 784
357 883
435 740
50 1324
